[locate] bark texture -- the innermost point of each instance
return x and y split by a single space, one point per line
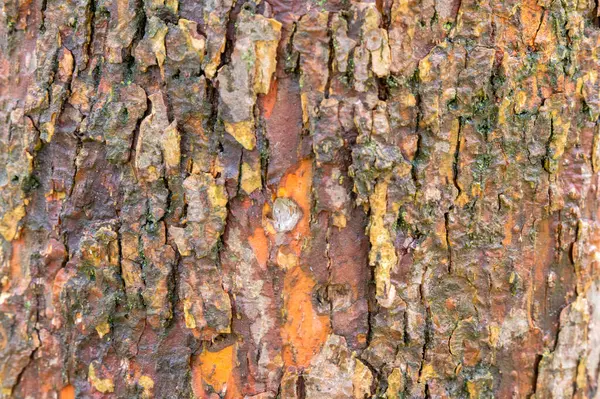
299 199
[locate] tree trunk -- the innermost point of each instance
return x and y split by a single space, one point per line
299 199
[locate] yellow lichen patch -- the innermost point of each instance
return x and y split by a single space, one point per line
304 103
472 389
266 59
395 384
194 41
10 221
476 190
103 385
158 45
215 369
560 132
425 69
286 259
103 329
212 22
65 65
339 220
243 132
260 246
520 101
251 178
447 165
581 379
171 147
381 57
173 5
48 128
304 331
375 39
462 199
503 111
596 150
427 373
382 254
55 195
361 380
147 384
494 335
157 4
218 198
190 321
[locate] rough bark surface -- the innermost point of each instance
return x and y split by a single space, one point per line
299 199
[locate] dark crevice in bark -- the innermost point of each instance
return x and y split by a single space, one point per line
536 371
383 90
428 338
91 21
301 387
212 124
263 147
539 27
331 57
418 153
167 16
448 244
292 67
547 159
455 163
238 189
43 16
428 331
405 335
230 37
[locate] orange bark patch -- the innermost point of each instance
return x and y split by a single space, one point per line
268 101
297 186
16 265
260 246
215 369
67 392
508 231
531 14
304 331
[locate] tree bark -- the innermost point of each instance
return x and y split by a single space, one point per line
299 199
